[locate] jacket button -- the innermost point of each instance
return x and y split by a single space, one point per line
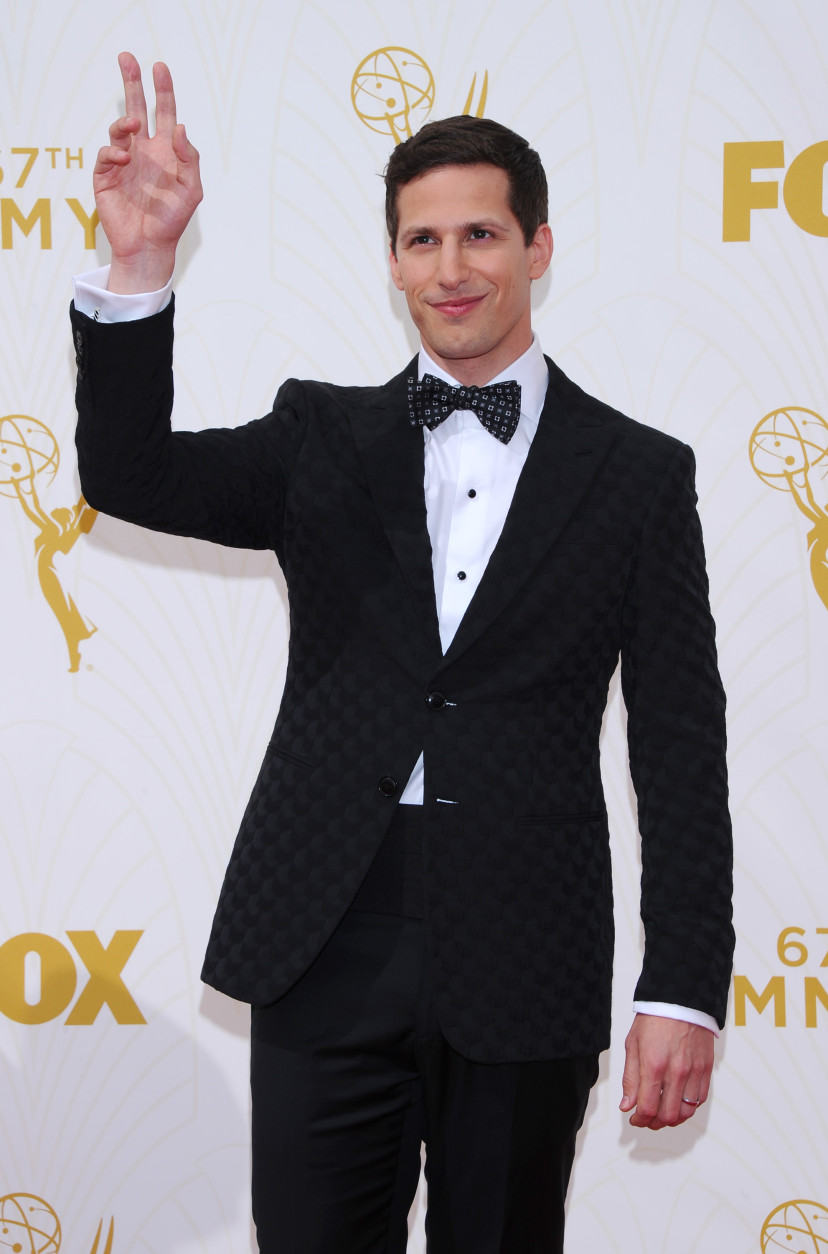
435 700
388 786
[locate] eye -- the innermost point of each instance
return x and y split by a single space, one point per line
418 240
480 232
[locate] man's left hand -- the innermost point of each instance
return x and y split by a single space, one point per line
667 1072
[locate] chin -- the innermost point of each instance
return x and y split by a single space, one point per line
454 346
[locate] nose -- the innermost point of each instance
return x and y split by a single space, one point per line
453 268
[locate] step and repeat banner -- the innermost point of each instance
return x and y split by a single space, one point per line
686 144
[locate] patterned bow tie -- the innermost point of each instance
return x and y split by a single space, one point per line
497 405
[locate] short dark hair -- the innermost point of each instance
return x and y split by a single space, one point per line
465 140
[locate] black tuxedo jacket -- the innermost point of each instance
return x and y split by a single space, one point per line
601 554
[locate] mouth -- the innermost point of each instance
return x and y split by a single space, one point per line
458 306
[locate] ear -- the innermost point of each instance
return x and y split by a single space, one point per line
540 251
396 277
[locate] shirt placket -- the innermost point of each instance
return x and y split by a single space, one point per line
463 561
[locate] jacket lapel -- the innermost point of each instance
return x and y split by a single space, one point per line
568 449
391 452
565 455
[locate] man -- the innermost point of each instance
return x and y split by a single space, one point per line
419 905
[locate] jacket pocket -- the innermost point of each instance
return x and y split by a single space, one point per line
582 816
295 759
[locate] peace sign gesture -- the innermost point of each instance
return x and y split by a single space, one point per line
146 187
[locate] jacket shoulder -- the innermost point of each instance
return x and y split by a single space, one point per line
585 410
320 395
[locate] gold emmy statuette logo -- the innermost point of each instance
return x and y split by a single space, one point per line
799 1227
392 92
28 1225
28 453
789 451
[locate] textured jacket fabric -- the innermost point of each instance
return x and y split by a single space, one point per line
601 554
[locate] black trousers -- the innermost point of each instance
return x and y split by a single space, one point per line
350 1073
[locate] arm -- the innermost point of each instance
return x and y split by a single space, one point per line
220 485
676 735
146 187
227 485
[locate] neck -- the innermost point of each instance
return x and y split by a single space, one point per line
476 371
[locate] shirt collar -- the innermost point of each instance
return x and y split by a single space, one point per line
529 370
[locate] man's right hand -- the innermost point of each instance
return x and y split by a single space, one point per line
146 188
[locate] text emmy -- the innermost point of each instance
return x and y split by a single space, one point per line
792 951
18 220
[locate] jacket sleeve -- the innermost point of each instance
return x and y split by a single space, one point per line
224 484
676 736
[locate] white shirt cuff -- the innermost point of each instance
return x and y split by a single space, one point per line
666 1010
93 299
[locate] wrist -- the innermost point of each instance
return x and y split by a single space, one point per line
147 271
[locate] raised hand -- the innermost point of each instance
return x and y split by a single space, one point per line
146 187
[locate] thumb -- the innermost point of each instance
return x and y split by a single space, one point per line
182 147
630 1079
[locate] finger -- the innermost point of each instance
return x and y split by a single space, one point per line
187 156
689 1106
693 1097
695 1094
164 100
110 157
630 1078
182 147
671 1107
136 105
122 131
685 1086
704 1085
646 1113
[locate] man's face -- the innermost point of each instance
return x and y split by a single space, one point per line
466 271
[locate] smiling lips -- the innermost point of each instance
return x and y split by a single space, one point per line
458 306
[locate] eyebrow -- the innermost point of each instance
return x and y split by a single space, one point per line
482 224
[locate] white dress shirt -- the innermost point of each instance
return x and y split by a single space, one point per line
470 479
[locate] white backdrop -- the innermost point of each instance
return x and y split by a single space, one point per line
123 780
